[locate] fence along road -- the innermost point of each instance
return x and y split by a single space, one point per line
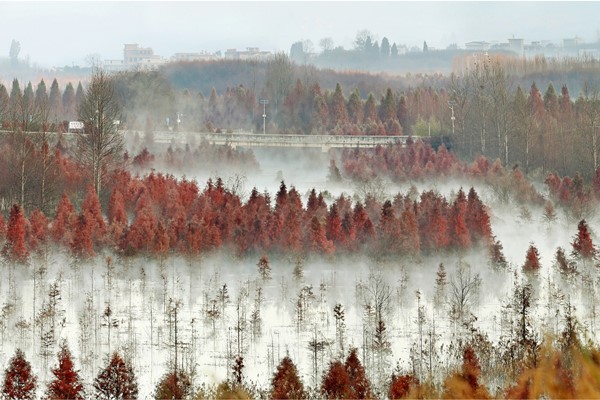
243 139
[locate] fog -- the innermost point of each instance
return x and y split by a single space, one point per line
142 292
335 279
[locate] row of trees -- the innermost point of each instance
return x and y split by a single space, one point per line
494 114
565 369
157 214
40 108
116 381
39 164
417 161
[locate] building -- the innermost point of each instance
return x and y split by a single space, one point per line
516 45
251 53
135 57
114 65
203 56
572 42
477 46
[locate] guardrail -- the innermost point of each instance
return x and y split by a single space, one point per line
270 140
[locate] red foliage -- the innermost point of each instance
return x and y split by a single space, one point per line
471 369
15 247
2 227
63 222
334 225
116 381
401 385
140 234
93 213
409 232
19 381
336 382
360 386
286 383
66 384
117 216
143 160
82 244
477 219
37 234
532 259
317 241
458 230
174 385
583 244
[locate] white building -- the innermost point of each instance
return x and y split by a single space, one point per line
251 53
477 46
203 56
135 57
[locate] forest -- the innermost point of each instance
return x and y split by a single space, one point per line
459 268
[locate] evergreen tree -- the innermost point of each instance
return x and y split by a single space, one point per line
286 383
394 50
117 381
385 47
175 385
583 245
19 382
359 384
66 383
55 102
64 220
401 385
68 101
264 267
337 110
355 107
15 247
532 259
336 382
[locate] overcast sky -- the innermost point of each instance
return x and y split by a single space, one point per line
64 33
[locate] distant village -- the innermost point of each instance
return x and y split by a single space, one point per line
137 57
143 58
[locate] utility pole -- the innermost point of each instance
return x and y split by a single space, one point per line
264 102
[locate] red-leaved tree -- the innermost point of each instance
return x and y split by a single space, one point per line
37 234
116 381
19 381
15 247
173 385
63 222
66 383
532 259
336 382
359 384
583 245
401 385
286 383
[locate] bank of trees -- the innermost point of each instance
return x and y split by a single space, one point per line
158 213
521 114
563 369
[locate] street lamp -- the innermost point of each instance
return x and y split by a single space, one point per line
264 102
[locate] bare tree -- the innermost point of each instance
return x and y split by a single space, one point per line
340 325
591 118
23 115
463 290
100 148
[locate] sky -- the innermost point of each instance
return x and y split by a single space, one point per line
66 33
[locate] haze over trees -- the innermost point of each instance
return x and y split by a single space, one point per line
461 264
